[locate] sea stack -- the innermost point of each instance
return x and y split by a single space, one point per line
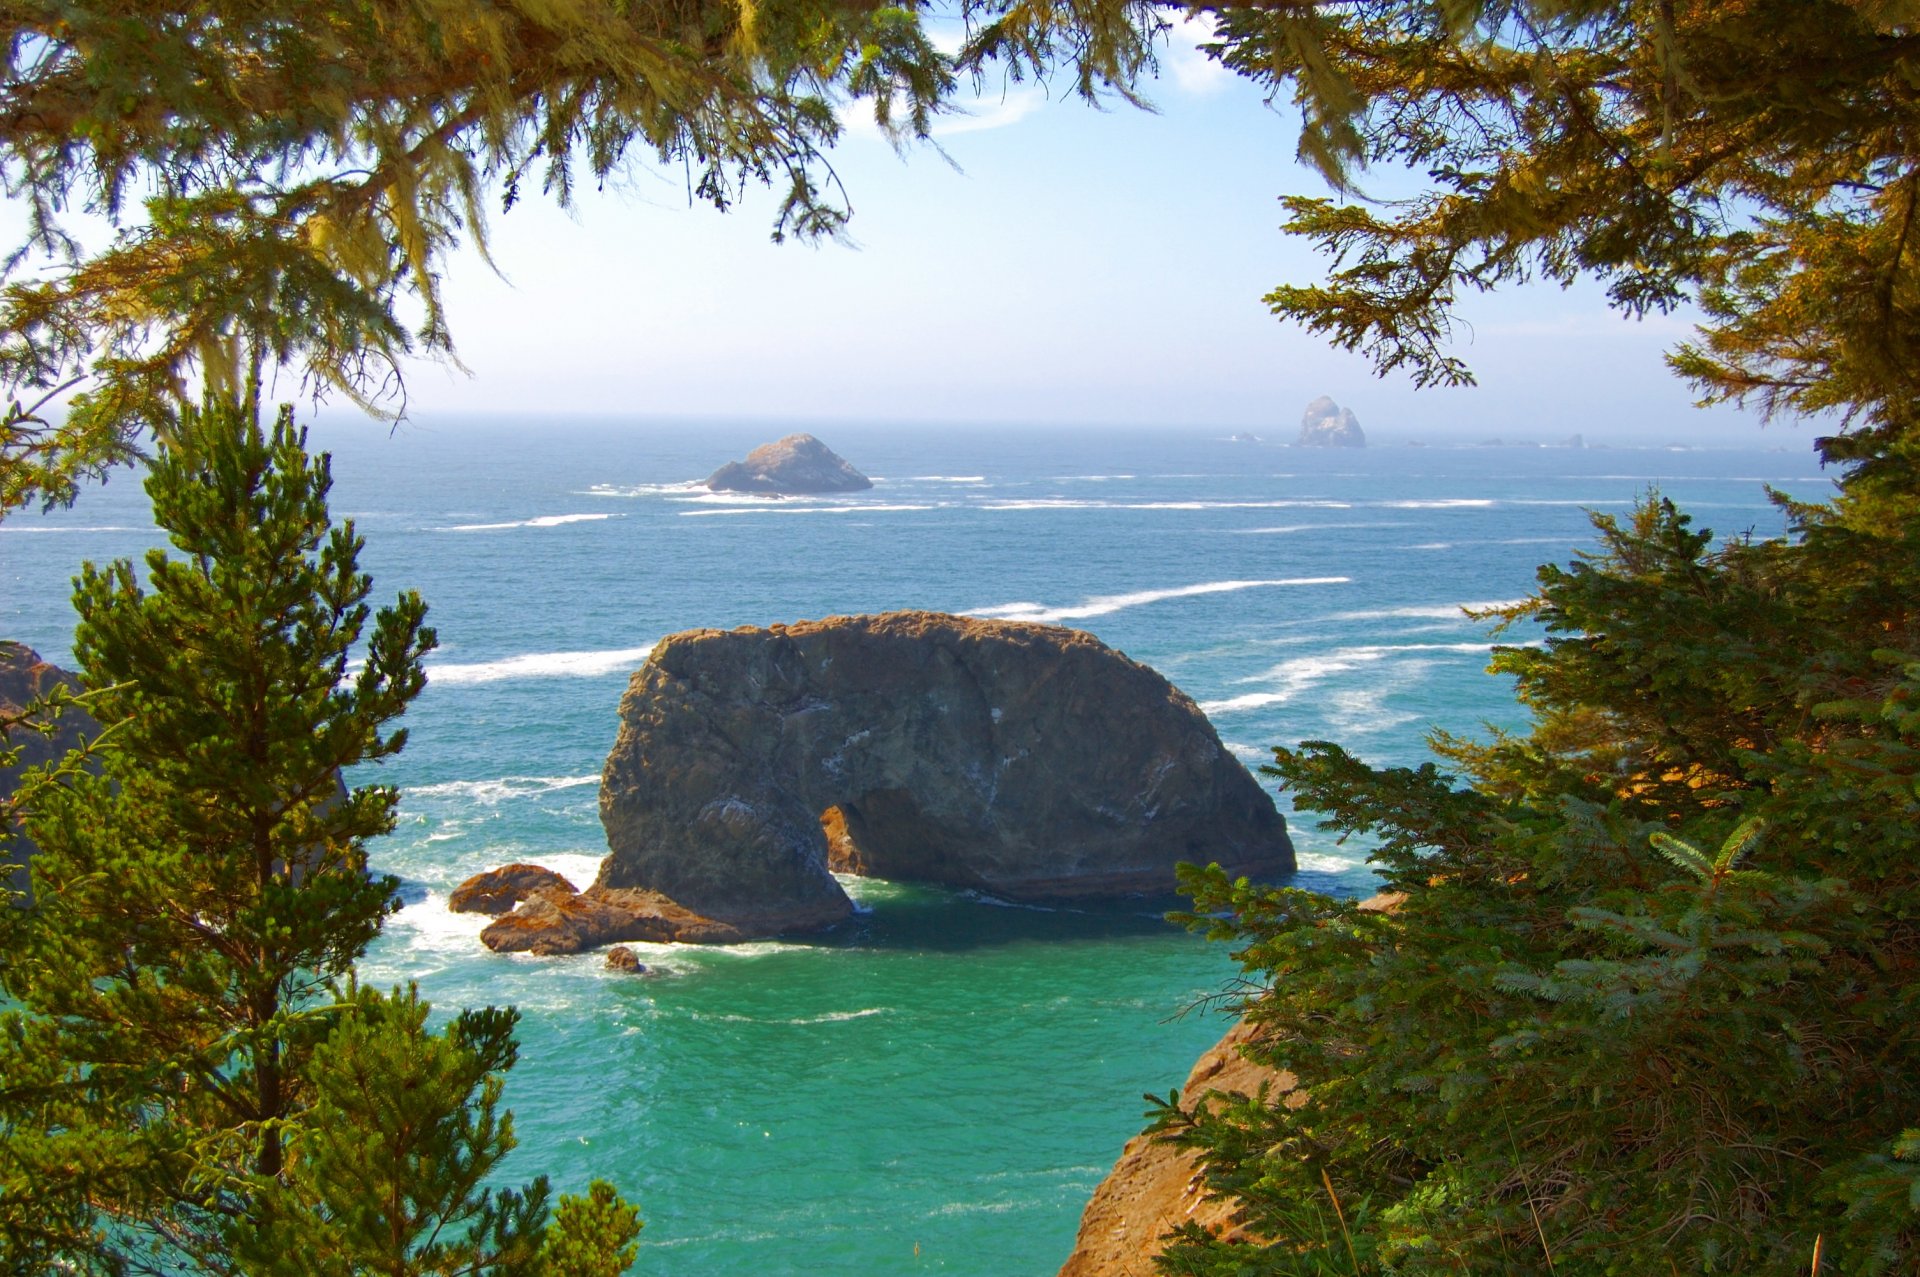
1327 425
798 465
1030 762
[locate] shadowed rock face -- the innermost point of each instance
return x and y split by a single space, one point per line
797 465
1029 761
25 678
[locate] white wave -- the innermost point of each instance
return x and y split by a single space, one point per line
1440 503
1318 862
1425 611
948 478
1286 528
103 527
429 926
1077 503
1291 678
543 521
785 508
1094 478
539 665
1248 753
578 867
488 793
1105 604
644 489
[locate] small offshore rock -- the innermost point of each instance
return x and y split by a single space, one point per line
499 890
621 958
798 465
1327 425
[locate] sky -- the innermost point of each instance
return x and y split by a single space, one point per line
1058 265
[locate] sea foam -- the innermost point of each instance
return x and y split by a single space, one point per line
539 665
1107 604
541 521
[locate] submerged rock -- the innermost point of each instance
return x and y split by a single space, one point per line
1028 761
1327 425
499 890
798 465
24 679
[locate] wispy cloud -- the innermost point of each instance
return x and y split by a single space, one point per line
1191 70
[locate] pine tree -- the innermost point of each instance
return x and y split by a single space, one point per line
172 1079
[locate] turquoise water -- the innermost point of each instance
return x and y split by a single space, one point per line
938 1086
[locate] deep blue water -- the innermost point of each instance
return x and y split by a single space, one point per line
939 1086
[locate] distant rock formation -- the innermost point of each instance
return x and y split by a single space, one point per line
499 890
1327 425
24 679
1244 437
1028 761
798 465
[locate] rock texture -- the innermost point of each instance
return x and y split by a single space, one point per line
621 958
25 678
1028 761
798 465
1155 1186
556 920
1327 425
499 890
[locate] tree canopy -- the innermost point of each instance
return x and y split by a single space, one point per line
1647 1000
190 1081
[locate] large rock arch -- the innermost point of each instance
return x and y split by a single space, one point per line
1029 761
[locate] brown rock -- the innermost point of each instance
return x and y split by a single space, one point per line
1028 761
798 465
1156 1186
621 958
499 890
24 679
557 920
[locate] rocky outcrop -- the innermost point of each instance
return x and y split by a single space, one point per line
1155 1186
24 679
621 958
499 890
556 921
1327 425
798 465
1027 761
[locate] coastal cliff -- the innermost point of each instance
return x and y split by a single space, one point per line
1027 761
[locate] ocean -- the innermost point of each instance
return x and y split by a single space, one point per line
939 1085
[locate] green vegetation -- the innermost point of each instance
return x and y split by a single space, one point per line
190 1081
1649 1002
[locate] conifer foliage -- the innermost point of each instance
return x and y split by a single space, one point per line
190 1081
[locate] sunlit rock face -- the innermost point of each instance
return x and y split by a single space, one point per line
798 465
1028 761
